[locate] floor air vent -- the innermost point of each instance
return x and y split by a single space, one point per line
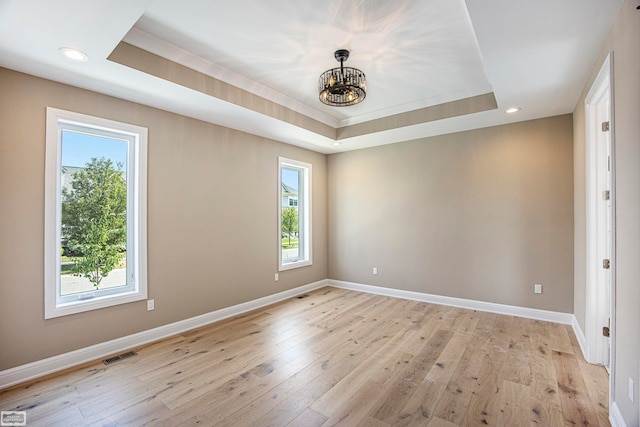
114 359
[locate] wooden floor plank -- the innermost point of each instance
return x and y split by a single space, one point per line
292 396
335 357
560 340
393 399
309 418
485 389
514 405
371 422
455 398
142 412
596 381
439 422
546 406
373 361
576 404
355 408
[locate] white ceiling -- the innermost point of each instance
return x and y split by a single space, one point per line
399 46
415 53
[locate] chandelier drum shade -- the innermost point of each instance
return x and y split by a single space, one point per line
340 87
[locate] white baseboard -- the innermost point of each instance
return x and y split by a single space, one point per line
615 416
529 313
582 341
43 367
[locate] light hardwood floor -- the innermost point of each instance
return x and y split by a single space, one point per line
336 357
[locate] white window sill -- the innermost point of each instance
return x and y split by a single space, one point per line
297 264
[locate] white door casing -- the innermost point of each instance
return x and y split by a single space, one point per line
600 219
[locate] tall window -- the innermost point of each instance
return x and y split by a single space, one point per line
95 213
294 214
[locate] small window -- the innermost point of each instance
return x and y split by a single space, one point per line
95 213
294 214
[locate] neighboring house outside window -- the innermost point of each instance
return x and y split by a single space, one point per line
289 195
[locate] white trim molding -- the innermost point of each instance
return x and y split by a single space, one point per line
579 336
134 288
32 370
615 416
305 256
600 240
529 313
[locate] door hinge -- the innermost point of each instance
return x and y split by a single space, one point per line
605 126
606 195
605 331
606 263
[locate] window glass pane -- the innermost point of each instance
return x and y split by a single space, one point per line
93 221
291 215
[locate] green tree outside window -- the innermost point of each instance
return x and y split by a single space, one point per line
94 218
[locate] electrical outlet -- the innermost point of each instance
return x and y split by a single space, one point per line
275 277
537 288
375 270
631 390
150 304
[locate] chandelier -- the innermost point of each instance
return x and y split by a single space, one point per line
342 86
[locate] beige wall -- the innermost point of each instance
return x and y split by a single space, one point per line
623 42
579 215
212 220
481 215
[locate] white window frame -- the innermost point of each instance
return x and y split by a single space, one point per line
304 208
56 305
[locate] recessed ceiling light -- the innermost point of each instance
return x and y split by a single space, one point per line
512 110
73 54
336 144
